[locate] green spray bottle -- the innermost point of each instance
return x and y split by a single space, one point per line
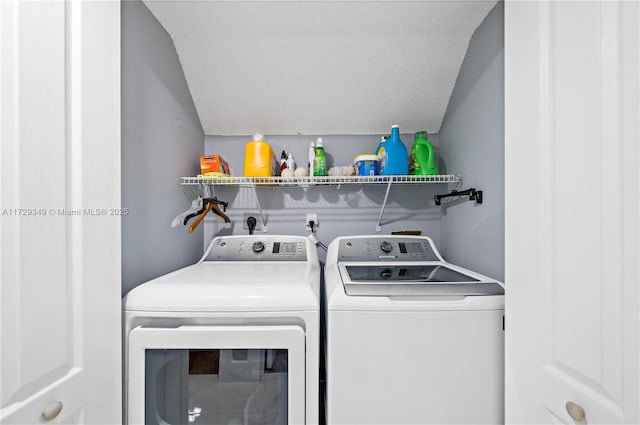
423 159
320 160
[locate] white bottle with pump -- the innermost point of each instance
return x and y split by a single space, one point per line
291 163
312 157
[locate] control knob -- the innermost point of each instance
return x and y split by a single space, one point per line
386 274
257 247
386 246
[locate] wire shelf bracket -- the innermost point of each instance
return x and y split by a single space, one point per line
262 216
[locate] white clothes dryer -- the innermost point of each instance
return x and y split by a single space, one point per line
232 340
410 338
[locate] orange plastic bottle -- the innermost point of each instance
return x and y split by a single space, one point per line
259 159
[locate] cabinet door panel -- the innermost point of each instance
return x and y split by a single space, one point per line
572 210
35 272
60 267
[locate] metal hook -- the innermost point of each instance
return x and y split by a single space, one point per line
474 195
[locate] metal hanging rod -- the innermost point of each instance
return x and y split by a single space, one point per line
472 193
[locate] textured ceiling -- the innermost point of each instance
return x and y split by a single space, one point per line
320 67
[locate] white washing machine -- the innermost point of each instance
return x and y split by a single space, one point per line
410 339
231 340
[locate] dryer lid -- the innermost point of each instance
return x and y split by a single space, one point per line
224 286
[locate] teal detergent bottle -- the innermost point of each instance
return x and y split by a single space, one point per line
423 159
392 155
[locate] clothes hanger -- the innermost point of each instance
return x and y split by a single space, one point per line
204 198
201 217
217 210
208 204
205 202
196 205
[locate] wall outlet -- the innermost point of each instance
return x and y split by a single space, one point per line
311 217
255 215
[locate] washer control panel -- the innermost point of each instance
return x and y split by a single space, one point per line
390 248
262 248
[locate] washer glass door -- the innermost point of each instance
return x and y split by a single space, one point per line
231 375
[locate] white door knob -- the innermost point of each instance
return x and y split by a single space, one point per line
575 411
52 411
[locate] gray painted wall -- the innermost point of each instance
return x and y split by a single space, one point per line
472 143
348 210
161 140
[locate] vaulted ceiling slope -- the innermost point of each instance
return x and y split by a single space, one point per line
320 67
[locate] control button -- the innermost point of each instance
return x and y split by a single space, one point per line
276 248
386 274
257 247
386 246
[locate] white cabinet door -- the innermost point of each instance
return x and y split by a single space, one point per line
572 216
59 228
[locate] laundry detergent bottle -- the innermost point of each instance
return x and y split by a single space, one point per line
259 159
392 155
423 159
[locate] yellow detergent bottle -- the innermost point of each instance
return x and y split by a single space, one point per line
259 159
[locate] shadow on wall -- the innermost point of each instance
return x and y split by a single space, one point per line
410 197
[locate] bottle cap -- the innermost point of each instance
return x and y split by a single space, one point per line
319 142
258 136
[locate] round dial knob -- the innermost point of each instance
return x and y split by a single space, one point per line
386 246
386 274
257 247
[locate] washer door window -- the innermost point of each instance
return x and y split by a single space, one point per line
231 375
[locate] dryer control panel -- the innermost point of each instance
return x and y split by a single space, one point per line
258 248
390 248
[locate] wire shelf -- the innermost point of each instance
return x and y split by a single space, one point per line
318 181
